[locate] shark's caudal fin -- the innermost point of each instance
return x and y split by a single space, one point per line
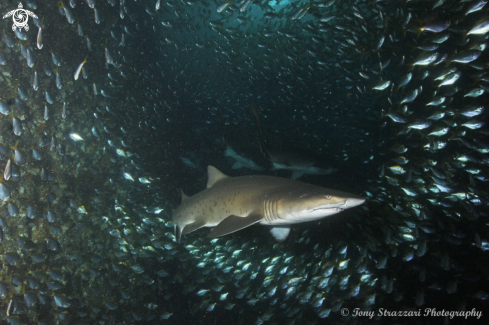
234 223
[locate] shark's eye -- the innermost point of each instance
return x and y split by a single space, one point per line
328 197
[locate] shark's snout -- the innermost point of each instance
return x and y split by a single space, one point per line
353 202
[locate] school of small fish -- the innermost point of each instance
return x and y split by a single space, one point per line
109 106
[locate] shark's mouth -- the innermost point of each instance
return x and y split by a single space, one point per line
335 209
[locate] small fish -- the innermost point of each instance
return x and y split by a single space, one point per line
472 111
480 28
30 58
440 38
428 47
35 82
104 93
419 125
399 148
122 43
65 110
89 44
55 58
438 132
78 70
401 160
396 117
9 40
84 73
426 58
299 13
364 75
4 107
326 19
398 170
39 37
3 58
97 16
75 137
19 157
68 14
108 56
22 35
128 176
410 96
17 125
244 6
436 26
438 100
382 85
473 124
49 99
91 3
450 79
476 6
144 180
465 56
59 80
380 42
436 116
8 171
223 6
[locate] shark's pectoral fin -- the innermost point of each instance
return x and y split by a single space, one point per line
280 233
192 227
234 223
237 165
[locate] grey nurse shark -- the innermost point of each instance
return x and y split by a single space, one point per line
230 204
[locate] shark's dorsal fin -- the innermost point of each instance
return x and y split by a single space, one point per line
214 176
184 196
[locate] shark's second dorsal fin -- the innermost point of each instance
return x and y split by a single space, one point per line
214 176
184 196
